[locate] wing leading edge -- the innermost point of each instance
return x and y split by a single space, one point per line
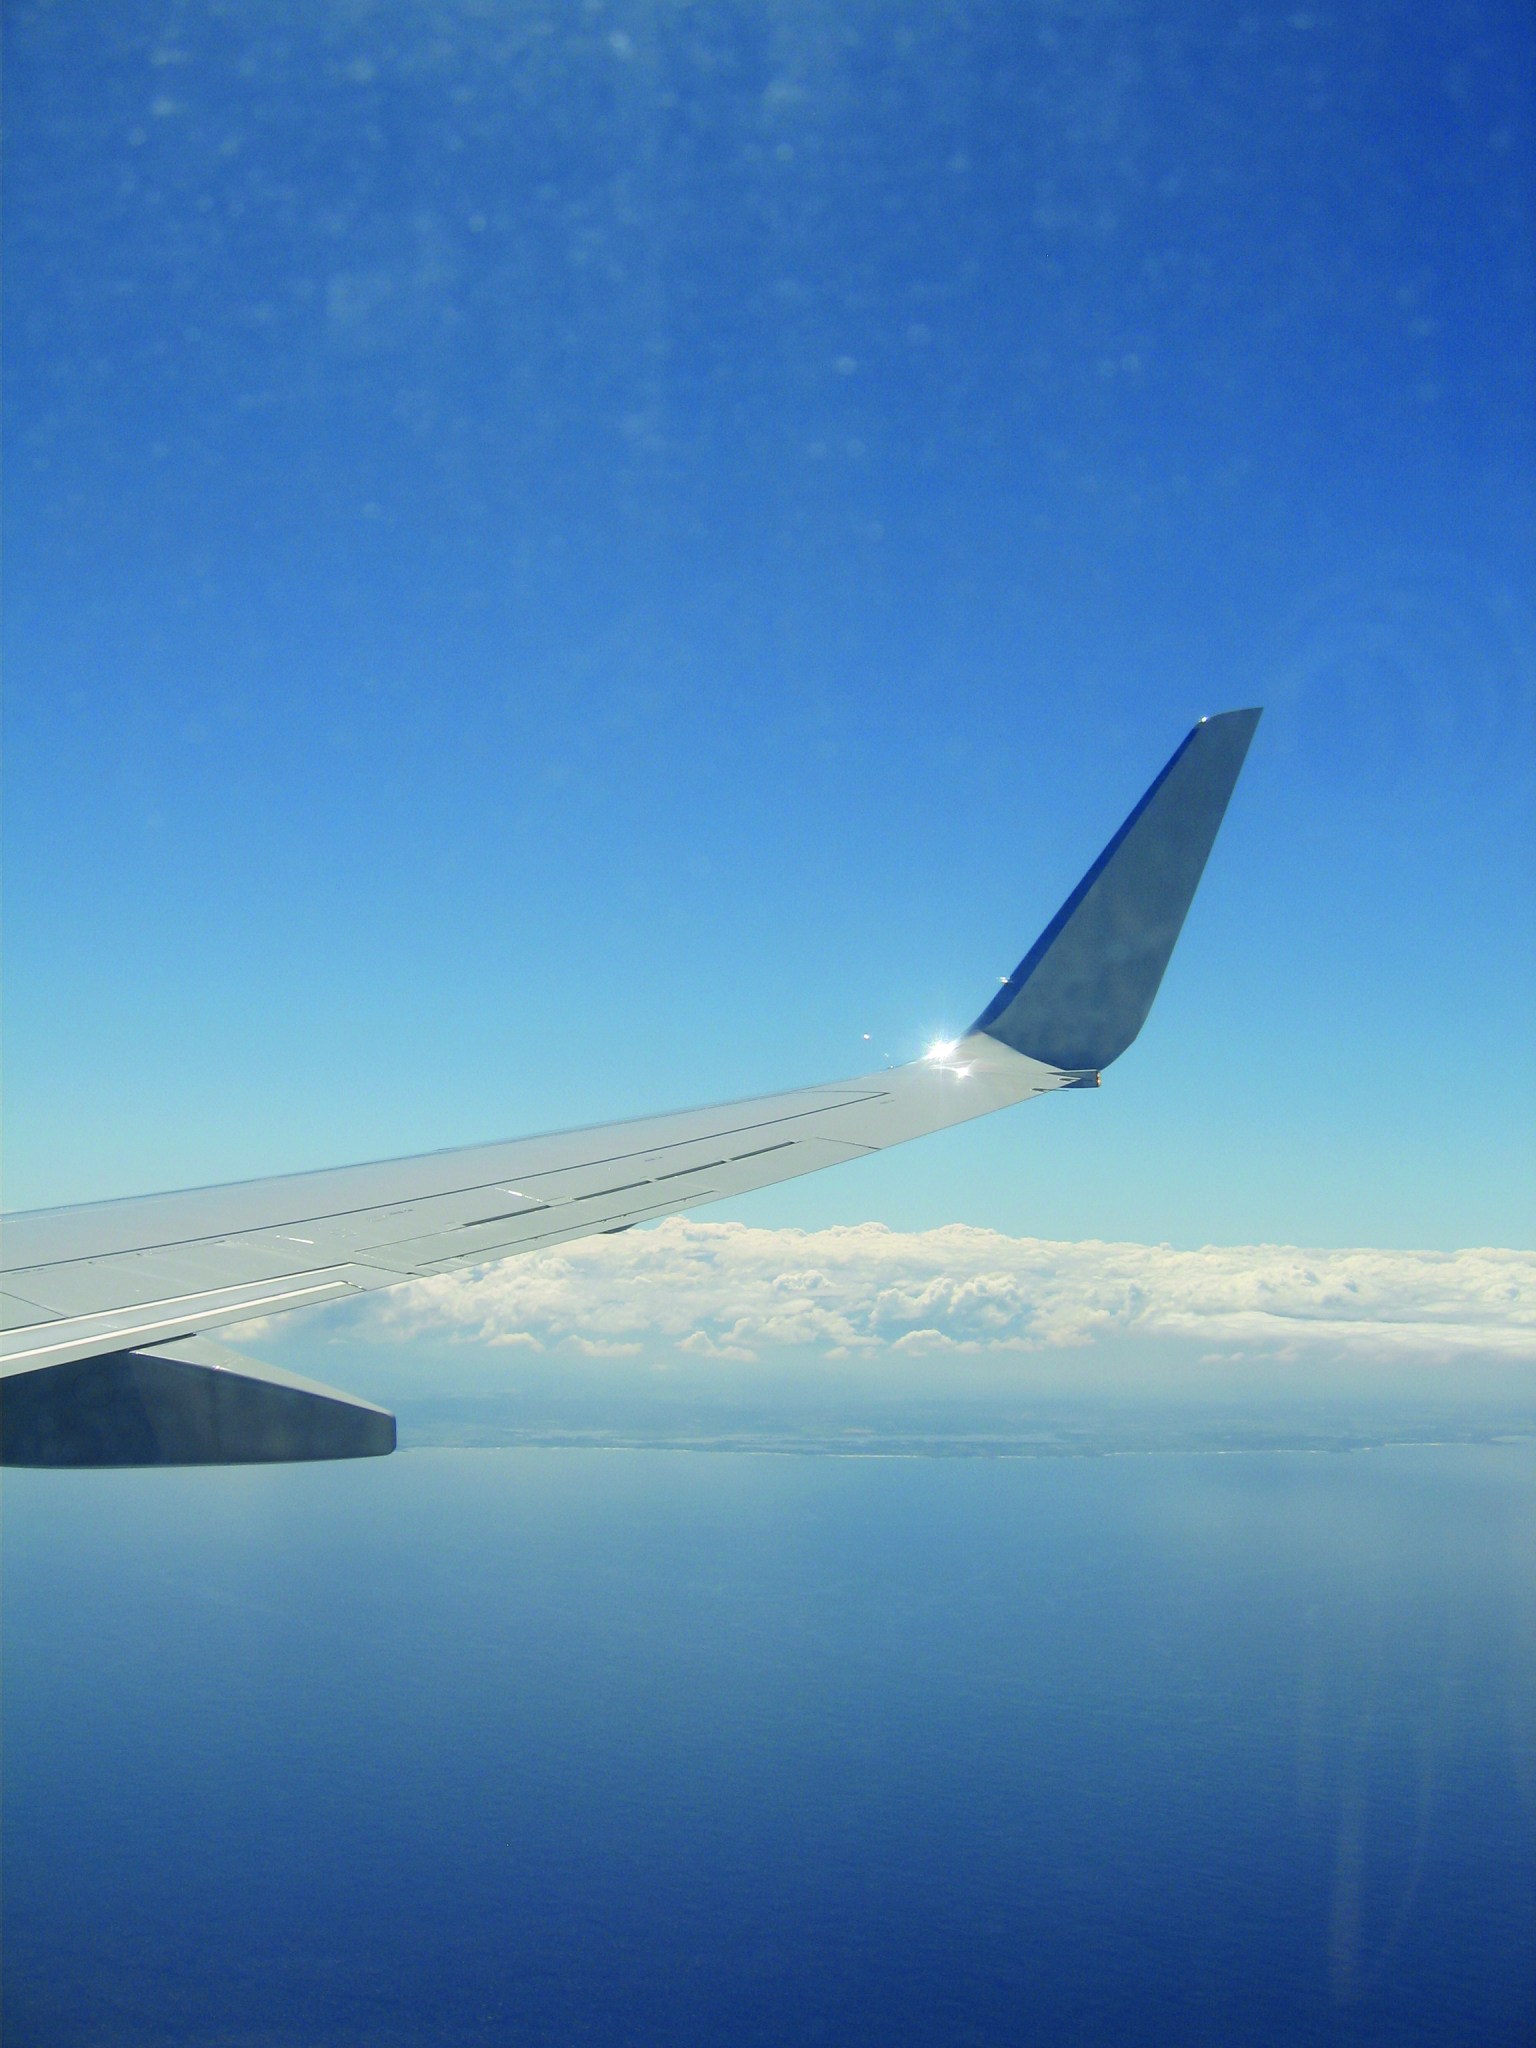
103 1306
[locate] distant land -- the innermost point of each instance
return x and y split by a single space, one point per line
1066 1433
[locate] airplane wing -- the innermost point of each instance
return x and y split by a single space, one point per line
104 1307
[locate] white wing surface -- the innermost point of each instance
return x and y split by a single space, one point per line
102 1357
115 1274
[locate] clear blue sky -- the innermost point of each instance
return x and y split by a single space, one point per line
566 562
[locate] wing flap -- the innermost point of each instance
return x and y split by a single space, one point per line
52 1339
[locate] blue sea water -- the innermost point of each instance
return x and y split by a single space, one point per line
628 1746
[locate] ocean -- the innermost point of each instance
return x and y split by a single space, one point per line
628 1746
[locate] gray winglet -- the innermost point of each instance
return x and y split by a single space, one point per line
1082 992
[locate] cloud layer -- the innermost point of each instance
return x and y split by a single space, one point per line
729 1292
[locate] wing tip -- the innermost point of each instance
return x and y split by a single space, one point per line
1081 994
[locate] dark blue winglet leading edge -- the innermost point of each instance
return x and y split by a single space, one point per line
1082 992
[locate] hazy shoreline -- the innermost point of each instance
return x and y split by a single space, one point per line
1209 1440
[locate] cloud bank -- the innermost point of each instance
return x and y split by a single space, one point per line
728 1292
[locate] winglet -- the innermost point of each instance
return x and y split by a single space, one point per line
1082 992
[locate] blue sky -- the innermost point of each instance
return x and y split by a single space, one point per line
566 563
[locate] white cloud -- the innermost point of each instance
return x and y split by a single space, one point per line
725 1291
